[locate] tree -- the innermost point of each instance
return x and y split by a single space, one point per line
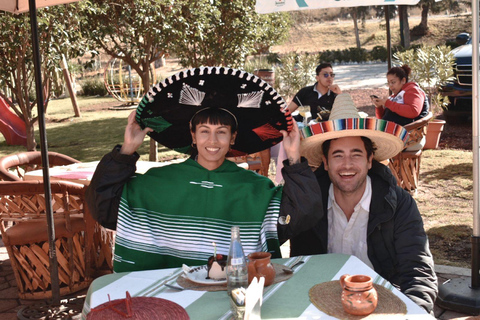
435 6
425 5
358 13
58 34
135 31
404 27
224 32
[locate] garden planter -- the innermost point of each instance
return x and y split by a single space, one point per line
434 130
267 75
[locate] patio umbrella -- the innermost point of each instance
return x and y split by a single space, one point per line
17 7
455 294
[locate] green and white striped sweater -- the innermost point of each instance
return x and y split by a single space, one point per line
172 214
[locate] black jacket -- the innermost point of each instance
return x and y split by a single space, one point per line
105 190
397 242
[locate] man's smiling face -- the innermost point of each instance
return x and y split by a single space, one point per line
347 165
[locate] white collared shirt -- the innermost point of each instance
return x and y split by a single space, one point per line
349 237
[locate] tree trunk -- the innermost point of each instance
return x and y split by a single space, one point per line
355 26
404 27
424 21
30 131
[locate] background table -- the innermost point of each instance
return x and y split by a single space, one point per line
284 300
82 172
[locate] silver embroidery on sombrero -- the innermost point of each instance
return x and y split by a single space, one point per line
191 96
250 100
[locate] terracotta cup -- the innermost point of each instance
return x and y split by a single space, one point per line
259 265
359 297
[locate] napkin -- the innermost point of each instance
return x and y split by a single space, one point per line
254 299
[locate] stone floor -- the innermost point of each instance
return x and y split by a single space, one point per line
444 273
10 304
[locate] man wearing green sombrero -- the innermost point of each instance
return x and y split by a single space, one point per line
351 204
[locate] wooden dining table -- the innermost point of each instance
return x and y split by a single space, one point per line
283 300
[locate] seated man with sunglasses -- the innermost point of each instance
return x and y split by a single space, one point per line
320 96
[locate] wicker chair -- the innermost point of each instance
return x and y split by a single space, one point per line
23 227
406 165
13 167
258 162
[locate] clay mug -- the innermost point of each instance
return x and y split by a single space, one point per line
359 297
259 265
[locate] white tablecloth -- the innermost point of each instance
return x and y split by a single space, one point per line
82 172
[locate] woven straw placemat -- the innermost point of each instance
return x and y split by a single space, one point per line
143 308
188 284
327 297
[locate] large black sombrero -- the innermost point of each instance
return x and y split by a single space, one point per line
260 111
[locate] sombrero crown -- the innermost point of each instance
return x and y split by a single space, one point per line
260 111
388 137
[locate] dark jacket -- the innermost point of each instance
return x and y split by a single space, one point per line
397 242
105 190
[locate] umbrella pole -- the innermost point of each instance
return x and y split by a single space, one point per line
44 150
457 294
389 38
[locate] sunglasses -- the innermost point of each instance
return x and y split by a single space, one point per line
326 75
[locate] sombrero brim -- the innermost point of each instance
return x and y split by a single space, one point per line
169 106
388 137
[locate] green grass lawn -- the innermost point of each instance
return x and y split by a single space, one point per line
86 138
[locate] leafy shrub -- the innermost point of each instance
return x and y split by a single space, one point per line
295 72
273 58
452 44
379 53
94 87
327 55
357 55
353 55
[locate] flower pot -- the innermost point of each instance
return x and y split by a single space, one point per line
434 130
267 75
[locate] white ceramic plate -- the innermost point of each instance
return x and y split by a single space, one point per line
199 275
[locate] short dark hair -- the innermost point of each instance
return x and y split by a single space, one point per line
322 66
369 147
400 72
214 116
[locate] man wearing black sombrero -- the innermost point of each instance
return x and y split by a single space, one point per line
351 204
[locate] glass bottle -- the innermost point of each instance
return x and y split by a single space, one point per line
237 274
